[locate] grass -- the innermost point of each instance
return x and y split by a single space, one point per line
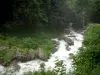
24 41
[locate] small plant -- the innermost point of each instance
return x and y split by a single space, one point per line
30 43
59 69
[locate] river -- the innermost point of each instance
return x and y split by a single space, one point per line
62 54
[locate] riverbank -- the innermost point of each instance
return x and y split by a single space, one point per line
26 45
64 54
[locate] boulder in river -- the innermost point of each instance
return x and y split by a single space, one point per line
69 41
67 48
67 31
15 65
55 42
66 39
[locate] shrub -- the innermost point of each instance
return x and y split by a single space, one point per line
87 59
59 69
28 42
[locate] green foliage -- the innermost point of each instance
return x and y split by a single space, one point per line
58 70
54 14
87 62
92 35
30 11
88 10
60 14
23 43
6 55
29 43
51 14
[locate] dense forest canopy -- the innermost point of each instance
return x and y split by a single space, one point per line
50 13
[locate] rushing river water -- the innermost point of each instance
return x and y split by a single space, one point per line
62 54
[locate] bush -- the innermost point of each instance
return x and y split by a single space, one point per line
59 69
28 42
87 59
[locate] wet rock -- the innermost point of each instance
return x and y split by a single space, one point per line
71 54
33 53
55 42
41 54
82 33
57 48
30 55
71 36
22 57
15 65
4 63
68 49
68 40
67 31
61 37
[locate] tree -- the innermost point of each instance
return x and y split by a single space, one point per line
87 10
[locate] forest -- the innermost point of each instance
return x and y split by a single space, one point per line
52 13
27 27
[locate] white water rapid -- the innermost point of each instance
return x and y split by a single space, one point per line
62 54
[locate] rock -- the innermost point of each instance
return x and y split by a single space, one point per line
56 44
15 65
4 63
68 40
18 54
68 49
22 57
82 33
55 41
62 37
33 53
71 54
41 54
71 36
67 31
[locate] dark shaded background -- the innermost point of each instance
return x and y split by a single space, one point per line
6 11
